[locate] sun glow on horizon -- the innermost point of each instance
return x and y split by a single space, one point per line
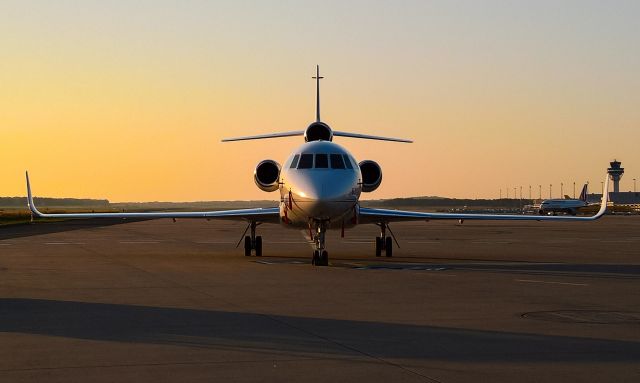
129 101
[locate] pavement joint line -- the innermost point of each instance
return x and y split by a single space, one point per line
550 282
268 360
65 243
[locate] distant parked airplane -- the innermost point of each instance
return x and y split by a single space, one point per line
320 186
566 205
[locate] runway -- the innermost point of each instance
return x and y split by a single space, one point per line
158 301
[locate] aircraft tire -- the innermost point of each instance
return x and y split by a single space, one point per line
247 246
315 260
388 247
258 248
378 246
324 258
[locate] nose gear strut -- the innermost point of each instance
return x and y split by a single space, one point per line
320 255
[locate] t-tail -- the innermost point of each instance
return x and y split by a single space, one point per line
318 130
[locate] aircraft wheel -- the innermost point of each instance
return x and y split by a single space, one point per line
258 248
378 246
315 260
247 246
324 258
388 247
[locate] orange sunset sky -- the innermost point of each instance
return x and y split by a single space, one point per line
129 100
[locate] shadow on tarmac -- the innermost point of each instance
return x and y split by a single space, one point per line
44 227
276 333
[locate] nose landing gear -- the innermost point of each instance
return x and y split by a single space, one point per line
320 255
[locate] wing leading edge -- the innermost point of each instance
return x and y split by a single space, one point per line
267 215
368 215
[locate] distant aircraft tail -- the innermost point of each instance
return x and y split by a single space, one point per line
583 193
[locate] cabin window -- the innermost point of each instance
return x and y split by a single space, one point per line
306 161
322 161
294 162
347 161
336 161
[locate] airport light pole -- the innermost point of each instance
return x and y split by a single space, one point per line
529 191
540 192
574 189
561 190
550 186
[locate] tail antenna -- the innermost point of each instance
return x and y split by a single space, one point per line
317 78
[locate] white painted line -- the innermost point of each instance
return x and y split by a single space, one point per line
6 244
215 242
138 242
550 282
424 242
64 243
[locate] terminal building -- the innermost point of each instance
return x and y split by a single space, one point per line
616 196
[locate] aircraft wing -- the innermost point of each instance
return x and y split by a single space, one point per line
266 215
368 215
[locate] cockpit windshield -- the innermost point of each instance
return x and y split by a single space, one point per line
336 161
322 161
306 161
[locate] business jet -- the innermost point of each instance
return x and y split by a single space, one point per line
320 184
564 205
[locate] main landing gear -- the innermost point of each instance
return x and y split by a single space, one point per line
252 242
384 242
320 255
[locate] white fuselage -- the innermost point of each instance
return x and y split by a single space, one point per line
320 182
561 205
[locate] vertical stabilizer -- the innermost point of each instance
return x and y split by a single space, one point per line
583 193
317 78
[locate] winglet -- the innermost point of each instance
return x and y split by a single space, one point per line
605 199
30 203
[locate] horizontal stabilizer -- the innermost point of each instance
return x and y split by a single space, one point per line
262 136
301 133
369 137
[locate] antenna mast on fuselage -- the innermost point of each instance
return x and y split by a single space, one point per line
317 78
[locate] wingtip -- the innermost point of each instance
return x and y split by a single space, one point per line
30 202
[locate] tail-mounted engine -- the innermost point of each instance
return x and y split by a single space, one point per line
371 175
266 175
318 131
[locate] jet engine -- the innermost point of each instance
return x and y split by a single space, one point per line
318 131
371 175
266 175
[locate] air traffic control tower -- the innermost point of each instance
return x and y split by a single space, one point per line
615 173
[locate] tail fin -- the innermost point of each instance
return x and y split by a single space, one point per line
317 78
583 193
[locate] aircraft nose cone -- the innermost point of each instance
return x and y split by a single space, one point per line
323 198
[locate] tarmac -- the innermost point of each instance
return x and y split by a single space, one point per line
158 301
